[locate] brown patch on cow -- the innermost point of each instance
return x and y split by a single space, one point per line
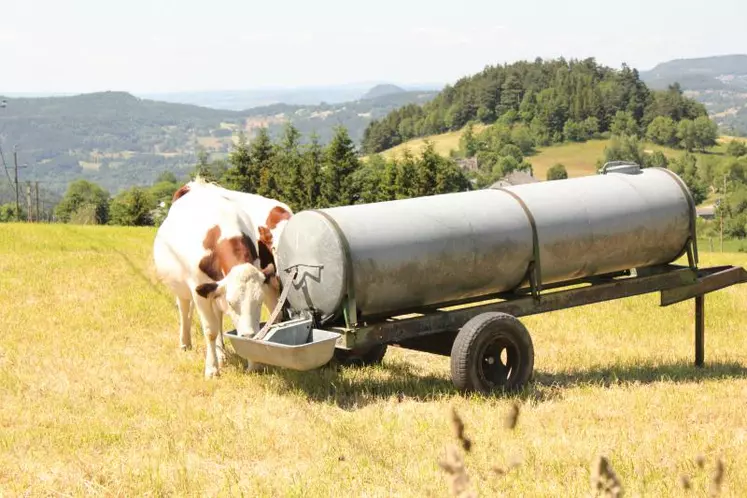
209 264
235 251
224 255
277 214
211 238
204 290
265 235
180 193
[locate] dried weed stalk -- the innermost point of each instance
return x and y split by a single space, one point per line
458 425
717 479
456 473
685 482
512 417
604 480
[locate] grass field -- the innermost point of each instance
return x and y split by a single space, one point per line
98 400
442 144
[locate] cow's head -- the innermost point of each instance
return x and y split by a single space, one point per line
240 287
240 295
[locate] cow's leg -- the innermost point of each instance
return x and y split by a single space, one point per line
221 348
210 327
185 322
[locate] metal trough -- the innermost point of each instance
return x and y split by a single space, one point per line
294 344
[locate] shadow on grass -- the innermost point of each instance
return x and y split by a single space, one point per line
682 372
352 388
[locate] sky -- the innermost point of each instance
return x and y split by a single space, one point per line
77 46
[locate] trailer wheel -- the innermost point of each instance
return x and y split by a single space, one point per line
372 356
492 351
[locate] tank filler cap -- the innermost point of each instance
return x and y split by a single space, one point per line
626 167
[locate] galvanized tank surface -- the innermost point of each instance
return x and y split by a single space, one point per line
400 255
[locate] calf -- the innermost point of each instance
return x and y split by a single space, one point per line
206 251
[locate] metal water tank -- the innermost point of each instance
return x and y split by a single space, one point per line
399 255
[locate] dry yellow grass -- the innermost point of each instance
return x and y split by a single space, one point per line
443 144
98 400
579 159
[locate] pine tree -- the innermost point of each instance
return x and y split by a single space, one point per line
449 178
241 174
427 169
407 177
263 157
311 173
340 162
388 185
288 167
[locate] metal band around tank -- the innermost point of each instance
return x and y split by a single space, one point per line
351 312
535 268
693 214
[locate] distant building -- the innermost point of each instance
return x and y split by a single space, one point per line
515 178
706 212
467 164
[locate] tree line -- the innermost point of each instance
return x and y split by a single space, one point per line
304 176
724 177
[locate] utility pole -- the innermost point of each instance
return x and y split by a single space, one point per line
29 216
721 210
36 191
18 204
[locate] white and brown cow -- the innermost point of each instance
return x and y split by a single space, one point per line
269 217
207 252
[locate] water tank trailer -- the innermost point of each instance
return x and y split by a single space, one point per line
450 274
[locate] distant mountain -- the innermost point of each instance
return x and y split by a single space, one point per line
719 82
239 100
120 140
724 72
383 90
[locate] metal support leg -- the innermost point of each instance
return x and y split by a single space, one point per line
699 330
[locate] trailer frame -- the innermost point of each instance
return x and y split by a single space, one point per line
435 329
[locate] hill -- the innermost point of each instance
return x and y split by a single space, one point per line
556 100
720 83
119 140
382 90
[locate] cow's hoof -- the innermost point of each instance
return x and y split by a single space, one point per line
252 366
211 373
186 347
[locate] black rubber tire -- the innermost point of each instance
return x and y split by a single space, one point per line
483 338
371 356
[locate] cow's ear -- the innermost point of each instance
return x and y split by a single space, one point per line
265 255
210 289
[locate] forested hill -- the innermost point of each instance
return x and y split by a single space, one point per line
119 140
554 99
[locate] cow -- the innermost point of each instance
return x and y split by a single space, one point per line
208 253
